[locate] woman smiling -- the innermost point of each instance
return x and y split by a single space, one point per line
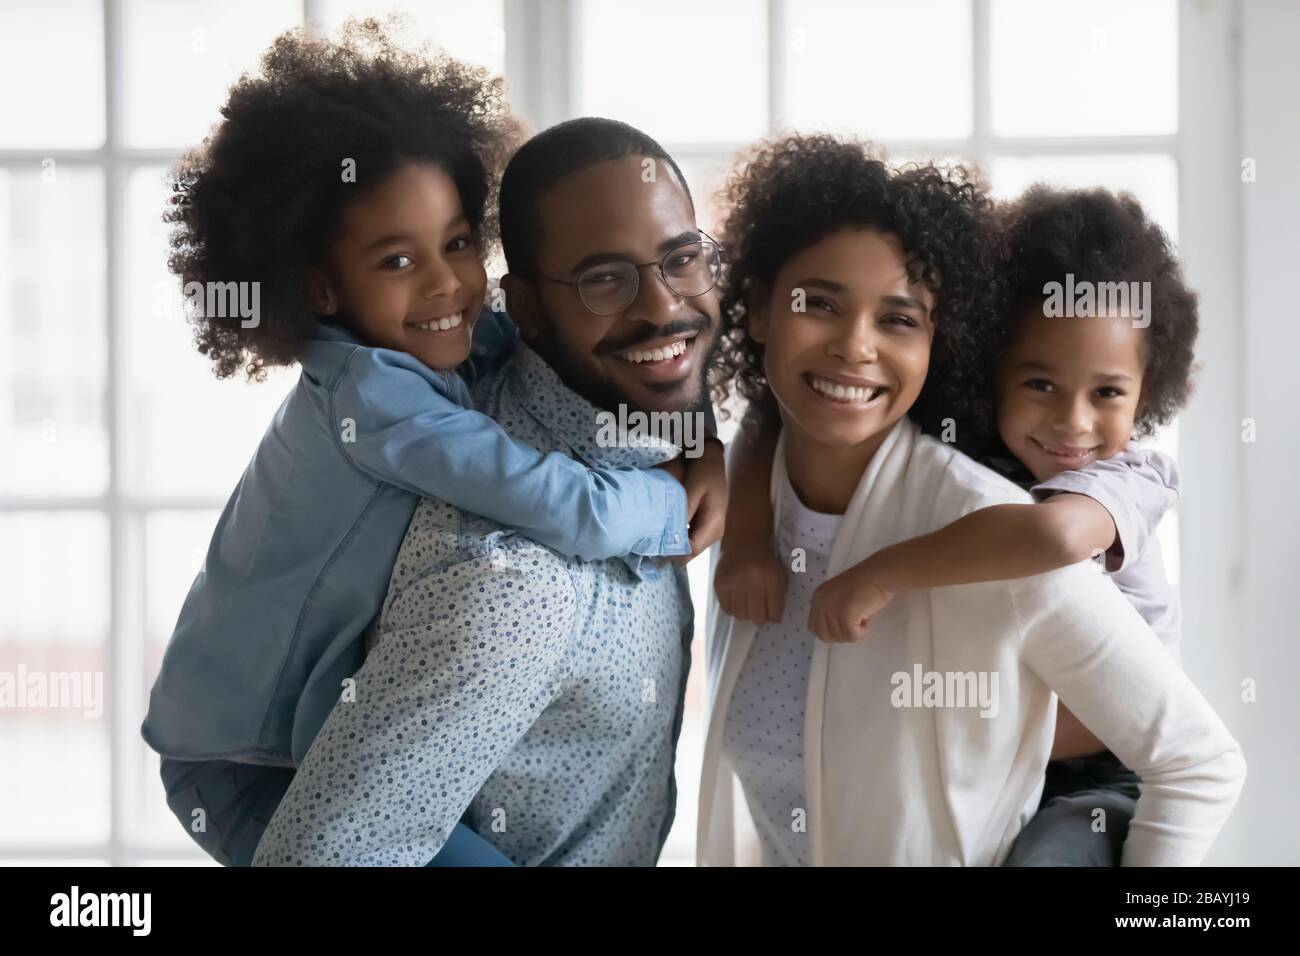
856 302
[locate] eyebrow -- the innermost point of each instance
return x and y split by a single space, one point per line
600 258
906 302
399 237
1043 367
838 288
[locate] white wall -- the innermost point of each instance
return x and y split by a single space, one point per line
1269 322
1241 248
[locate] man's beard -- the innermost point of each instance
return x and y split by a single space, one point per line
603 394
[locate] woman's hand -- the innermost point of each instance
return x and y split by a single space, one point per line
706 498
843 606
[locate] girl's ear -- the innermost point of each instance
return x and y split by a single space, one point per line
522 305
756 307
319 294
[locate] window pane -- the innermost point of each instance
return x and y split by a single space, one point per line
881 69
680 70
1151 177
705 176
50 861
199 860
53 347
679 848
944 160
52 74
54 712
181 56
184 432
1107 67
474 32
174 545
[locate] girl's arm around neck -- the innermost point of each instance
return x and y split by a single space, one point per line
998 543
396 426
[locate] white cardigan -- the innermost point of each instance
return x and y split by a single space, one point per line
942 785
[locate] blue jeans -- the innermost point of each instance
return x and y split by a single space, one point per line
1062 832
237 801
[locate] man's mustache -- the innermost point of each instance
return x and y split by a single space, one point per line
648 332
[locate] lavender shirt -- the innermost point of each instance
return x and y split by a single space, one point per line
1137 486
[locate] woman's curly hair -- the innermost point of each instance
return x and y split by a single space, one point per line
1099 236
261 198
791 192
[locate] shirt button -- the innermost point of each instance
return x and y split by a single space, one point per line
677 539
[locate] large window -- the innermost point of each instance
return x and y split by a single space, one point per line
119 447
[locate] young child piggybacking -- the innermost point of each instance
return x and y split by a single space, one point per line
353 181
1097 351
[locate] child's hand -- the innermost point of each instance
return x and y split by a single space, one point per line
843 606
750 582
706 498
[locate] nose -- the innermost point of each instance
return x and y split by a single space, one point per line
855 341
440 279
655 302
1078 415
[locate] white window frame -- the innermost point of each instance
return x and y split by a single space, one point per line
542 33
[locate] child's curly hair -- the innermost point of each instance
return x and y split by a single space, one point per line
1102 237
261 198
792 192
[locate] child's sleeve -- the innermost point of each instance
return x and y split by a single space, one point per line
394 424
1137 487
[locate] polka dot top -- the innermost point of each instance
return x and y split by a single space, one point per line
763 734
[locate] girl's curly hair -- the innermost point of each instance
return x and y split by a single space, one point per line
789 193
261 198
1098 236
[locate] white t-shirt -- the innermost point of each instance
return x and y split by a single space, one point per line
763 736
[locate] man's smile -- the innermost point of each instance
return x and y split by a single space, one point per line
665 359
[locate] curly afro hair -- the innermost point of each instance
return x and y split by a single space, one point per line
1102 237
792 192
260 200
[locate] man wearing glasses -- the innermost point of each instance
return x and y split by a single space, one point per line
539 698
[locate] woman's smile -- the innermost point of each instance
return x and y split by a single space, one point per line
845 394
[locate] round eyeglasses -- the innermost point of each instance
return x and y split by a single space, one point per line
689 270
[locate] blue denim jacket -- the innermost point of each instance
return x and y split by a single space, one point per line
301 556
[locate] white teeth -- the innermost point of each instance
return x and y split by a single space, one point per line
1065 452
842 393
637 356
441 325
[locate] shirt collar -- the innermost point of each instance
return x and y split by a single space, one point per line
573 420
